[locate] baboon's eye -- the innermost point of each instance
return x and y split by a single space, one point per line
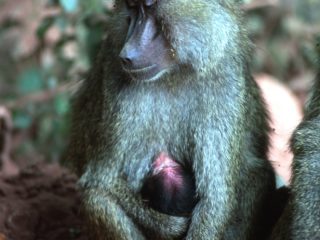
131 3
132 13
149 3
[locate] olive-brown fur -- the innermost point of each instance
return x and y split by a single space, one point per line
207 109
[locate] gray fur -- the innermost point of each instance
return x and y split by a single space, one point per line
207 111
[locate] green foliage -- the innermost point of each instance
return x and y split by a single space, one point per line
30 81
67 42
22 120
61 105
283 36
44 26
69 5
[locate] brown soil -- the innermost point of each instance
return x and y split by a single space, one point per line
40 203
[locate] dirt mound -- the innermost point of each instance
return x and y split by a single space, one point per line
40 203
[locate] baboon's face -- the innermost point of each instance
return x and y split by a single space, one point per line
146 54
153 37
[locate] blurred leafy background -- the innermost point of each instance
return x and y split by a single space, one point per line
47 46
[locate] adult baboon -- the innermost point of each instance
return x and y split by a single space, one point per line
173 77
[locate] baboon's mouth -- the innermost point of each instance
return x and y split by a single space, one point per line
145 74
139 70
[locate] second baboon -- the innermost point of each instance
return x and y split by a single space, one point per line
301 218
173 76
